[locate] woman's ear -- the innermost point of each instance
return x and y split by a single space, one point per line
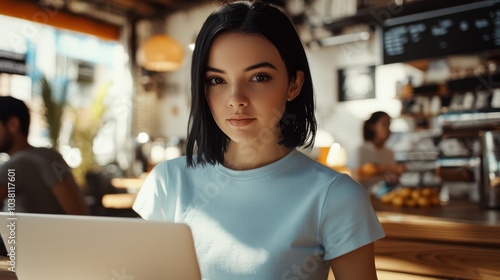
295 86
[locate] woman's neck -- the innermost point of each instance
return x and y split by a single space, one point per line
248 156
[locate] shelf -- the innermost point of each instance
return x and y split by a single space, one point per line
482 82
471 120
486 82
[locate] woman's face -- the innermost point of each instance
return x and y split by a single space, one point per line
247 87
382 129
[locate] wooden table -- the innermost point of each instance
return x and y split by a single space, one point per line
5 274
123 200
131 184
455 241
119 200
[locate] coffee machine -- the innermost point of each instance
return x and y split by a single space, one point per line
470 156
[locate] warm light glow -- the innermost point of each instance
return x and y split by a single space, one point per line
4 157
160 53
157 152
142 137
336 156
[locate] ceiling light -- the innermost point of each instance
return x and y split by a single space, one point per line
160 53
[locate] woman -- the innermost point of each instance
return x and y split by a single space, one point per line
257 207
376 160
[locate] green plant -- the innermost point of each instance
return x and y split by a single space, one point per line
87 122
54 101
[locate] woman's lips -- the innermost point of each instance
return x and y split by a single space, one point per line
240 121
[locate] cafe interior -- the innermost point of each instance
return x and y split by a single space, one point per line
119 73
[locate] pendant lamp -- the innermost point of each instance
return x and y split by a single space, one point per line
160 53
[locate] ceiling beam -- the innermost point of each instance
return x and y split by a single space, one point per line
59 19
142 8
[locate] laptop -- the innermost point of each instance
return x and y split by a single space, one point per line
99 248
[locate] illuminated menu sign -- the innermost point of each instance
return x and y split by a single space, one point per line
461 29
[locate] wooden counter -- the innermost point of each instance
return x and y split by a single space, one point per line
455 241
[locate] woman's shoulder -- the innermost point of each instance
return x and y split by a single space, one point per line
313 167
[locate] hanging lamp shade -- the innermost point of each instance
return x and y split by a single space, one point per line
160 53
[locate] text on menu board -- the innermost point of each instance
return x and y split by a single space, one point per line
462 29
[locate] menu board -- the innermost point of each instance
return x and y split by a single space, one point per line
456 30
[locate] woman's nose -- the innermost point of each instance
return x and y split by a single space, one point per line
237 97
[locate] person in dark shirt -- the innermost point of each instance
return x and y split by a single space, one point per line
33 180
44 183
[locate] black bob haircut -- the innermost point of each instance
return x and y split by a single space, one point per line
11 107
298 124
368 132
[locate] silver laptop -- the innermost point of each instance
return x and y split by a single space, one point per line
93 248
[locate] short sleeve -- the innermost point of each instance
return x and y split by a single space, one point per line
150 202
348 220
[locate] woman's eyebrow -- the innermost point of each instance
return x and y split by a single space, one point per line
260 65
212 69
249 68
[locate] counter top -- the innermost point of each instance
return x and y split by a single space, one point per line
457 211
455 241
458 221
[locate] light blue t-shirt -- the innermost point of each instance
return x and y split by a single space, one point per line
285 220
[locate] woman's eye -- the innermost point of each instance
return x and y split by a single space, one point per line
261 78
215 80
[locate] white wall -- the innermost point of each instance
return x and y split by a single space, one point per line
341 119
344 119
174 101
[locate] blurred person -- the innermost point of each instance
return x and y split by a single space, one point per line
375 160
259 208
37 179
